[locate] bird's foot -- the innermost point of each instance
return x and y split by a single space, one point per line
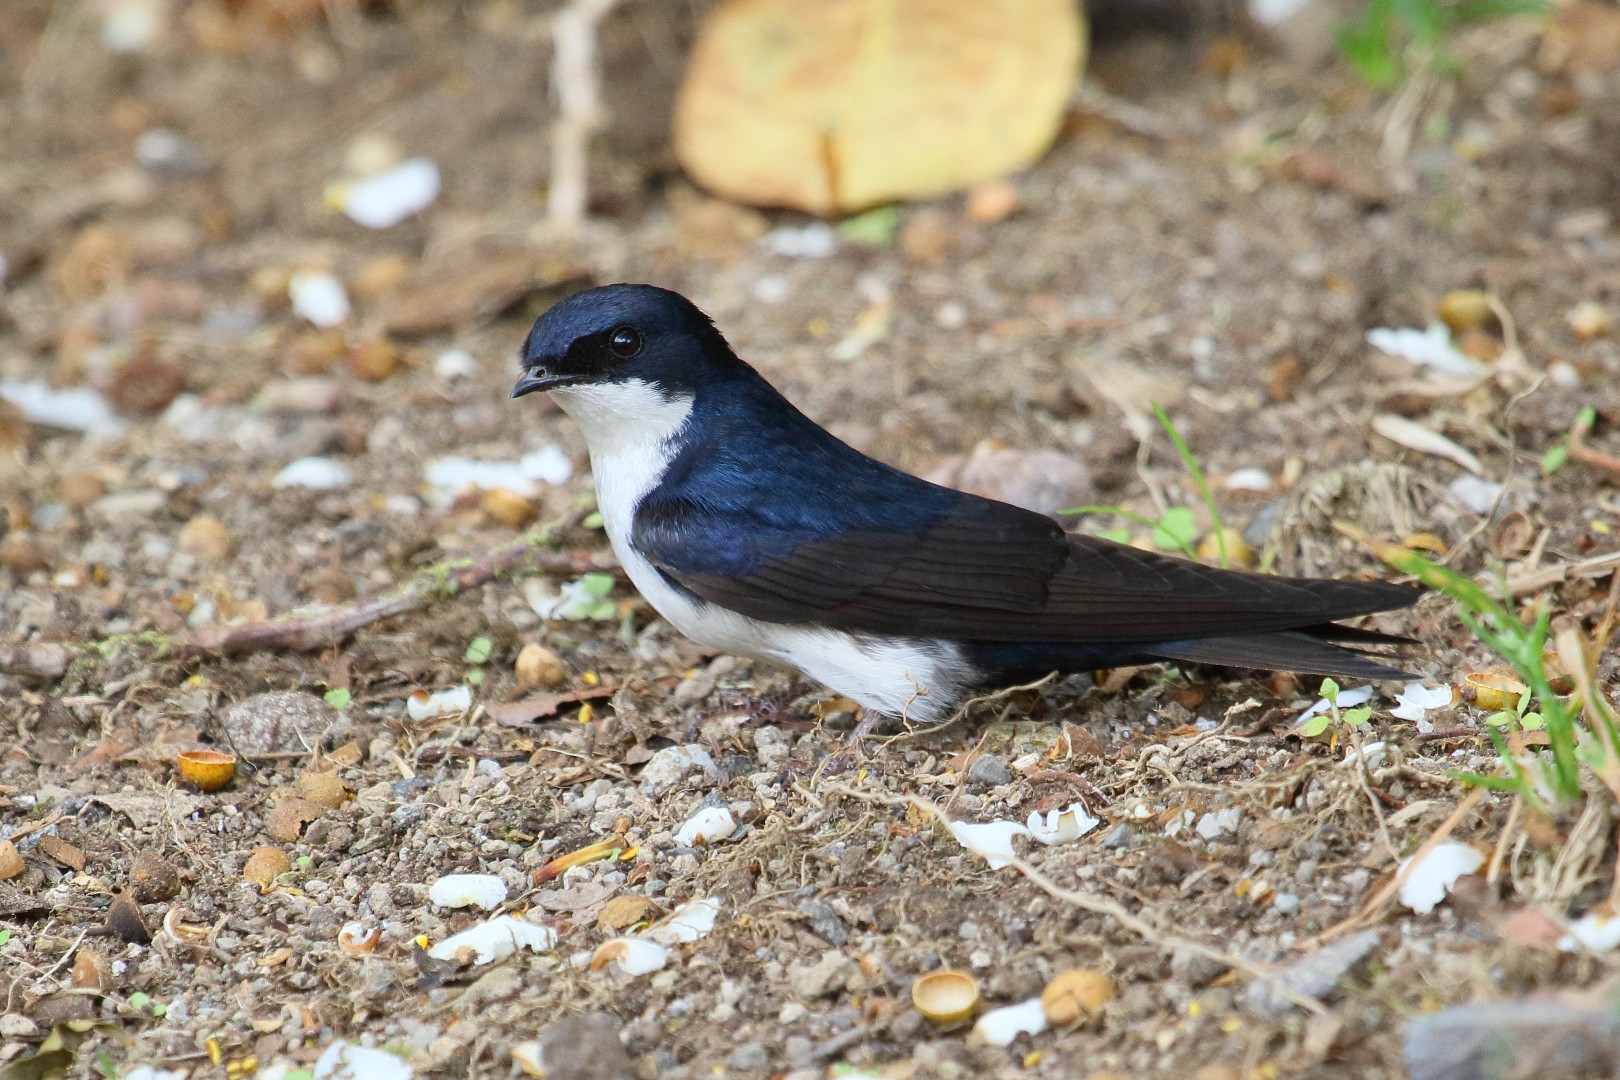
866 723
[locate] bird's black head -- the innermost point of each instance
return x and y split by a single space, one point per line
621 334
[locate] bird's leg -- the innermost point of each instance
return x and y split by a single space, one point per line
866 723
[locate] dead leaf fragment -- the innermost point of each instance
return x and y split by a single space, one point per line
289 819
538 706
1414 436
623 912
124 920
835 106
323 788
11 861
90 970
63 852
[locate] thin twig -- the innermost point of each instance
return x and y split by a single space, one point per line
529 554
577 79
1579 451
1098 905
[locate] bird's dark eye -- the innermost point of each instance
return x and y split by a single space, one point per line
625 342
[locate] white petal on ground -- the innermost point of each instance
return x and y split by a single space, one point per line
496 939
709 825
468 890
1376 753
388 198
991 840
1348 699
632 956
350 1061
1431 348
1249 480
1429 881
1594 931
1000 1027
422 705
687 923
455 364
318 297
1414 436
1417 699
313 472
75 408
1061 826
814 241
1475 495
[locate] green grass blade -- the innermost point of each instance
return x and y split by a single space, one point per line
1198 479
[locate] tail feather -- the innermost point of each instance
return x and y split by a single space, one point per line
1289 650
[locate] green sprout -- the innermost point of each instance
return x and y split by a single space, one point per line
338 697
1321 721
1391 39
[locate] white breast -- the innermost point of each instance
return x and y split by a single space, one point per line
630 428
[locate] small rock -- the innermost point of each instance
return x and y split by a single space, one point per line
206 537
1314 975
584 1047
153 878
278 721
1285 903
822 978
301 397
1534 1037
17 1026
991 201
122 505
668 766
693 689
989 770
80 489
1219 823
749 1057
825 923
538 666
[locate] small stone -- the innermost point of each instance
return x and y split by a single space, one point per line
508 508
822 978
145 386
21 558
989 770
80 489
693 689
206 537
584 1047
374 361
749 1057
301 397
1529 1037
1285 903
278 721
123 505
669 765
1589 319
153 878
265 865
1118 837
124 921
17 1026
927 237
991 201
323 788
538 666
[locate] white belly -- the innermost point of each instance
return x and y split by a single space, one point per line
628 427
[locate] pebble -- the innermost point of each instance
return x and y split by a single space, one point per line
206 537
80 489
826 976
1219 823
1529 1037
1286 903
670 765
749 1057
989 770
278 721
123 505
301 397
313 472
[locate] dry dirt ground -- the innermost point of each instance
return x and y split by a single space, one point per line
1219 236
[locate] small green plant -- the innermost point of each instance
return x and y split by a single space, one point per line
1391 39
1175 529
338 697
479 650
141 1001
1549 779
5 938
1332 715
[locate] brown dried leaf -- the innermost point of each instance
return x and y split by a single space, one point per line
538 706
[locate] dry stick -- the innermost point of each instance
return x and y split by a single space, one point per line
1585 454
577 80
1098 905
305 633
1447 827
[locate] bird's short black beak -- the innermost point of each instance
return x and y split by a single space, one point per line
539 379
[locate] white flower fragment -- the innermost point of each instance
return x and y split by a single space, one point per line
496 939
468 890
547 465
1000 1027
350 1061
455 364
1347 699
1061 826
1431 348
422 705
385 199
1427 883
991 840
631 956
687 923
1249 480
1374 753
1416 700
1474 494
709 825
1594 931
74 408
318 297
320 473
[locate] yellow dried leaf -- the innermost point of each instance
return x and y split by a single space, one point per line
838 105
